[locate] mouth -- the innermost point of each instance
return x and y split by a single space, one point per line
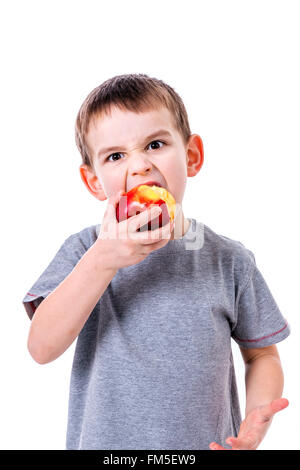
152 183
148 183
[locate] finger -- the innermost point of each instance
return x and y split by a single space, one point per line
112 203
215 446
154 236
143 218
241 443
147 248
231 440
269 410
279 404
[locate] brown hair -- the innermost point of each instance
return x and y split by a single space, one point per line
133 92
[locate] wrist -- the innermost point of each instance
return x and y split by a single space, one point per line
102 255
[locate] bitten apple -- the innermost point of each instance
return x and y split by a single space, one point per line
140 198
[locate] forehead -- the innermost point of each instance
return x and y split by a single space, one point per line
126 127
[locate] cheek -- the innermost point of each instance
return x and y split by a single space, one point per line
112 182
176 175
171 165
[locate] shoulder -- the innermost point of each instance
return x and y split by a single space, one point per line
230 253
83 239
227 246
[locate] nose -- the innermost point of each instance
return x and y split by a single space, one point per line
139 165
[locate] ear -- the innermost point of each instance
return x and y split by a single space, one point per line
92 183
195 155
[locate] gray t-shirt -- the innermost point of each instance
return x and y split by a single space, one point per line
153 365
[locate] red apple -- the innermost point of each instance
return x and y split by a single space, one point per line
140 198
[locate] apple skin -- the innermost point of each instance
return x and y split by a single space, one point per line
140 198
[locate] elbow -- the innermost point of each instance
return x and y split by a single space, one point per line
36 345
37 352
36 355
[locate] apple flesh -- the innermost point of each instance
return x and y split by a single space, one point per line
140 198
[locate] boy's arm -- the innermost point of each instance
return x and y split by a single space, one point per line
263 377
264 386
62 314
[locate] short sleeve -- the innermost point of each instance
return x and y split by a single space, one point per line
259 322
62 264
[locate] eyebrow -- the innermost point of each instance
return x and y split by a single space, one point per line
151 136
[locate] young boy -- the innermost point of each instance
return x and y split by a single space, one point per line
154 312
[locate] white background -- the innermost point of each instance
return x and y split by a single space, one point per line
236 66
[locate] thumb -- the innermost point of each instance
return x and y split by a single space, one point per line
276 405
279 404
112 203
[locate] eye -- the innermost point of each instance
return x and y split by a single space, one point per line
118 153
156 141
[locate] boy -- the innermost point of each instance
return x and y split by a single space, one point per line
154 315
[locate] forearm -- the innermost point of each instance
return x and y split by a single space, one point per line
264 381
62 314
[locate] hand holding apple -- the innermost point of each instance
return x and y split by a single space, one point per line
120 245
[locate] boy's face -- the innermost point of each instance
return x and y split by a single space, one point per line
136 157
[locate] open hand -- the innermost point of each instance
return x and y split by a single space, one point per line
253 427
